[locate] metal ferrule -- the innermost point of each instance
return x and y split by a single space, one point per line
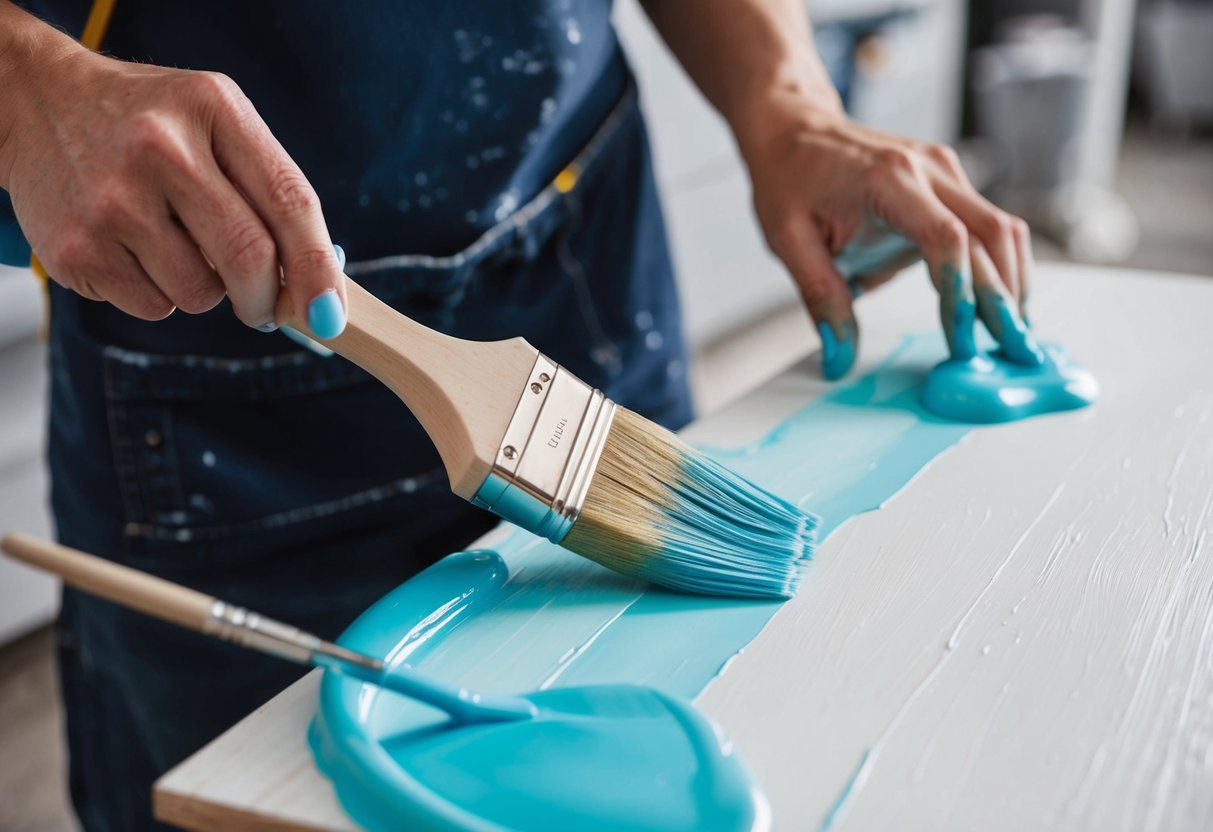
550 451
249 629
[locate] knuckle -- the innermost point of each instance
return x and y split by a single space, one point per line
251 251
151 131
998 223
157 135
1020 229
310 261
215 88
71 256
109 203
898 160
944 155
782 232
201 296
951 234
151 306
815 292
291 195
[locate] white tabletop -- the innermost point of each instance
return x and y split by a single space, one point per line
1021 638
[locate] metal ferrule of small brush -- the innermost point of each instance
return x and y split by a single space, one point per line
550 451
253 630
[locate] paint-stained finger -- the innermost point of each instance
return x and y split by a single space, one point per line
999 312
827 296
908 203
988 223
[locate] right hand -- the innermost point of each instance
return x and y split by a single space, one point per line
156 189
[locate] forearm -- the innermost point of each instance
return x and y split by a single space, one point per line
29 48
748 57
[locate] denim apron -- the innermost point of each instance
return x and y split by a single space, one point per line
239 464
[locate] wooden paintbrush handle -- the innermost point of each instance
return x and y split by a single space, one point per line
462 392
129 587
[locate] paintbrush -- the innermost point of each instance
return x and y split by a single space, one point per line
524 438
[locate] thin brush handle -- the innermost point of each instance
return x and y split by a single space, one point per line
137 590
179 605
197 611
462 392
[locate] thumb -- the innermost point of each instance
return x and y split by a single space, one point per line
826 295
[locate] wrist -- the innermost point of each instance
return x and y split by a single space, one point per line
790 102
32 53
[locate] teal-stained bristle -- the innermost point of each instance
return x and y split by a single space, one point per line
660 510
724 535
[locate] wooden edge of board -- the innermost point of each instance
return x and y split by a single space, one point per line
198 815
176 798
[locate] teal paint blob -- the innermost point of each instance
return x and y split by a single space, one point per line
531 616
990 387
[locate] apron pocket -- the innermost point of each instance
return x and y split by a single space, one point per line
225 456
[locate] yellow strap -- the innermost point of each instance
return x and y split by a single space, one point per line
97 24
94 32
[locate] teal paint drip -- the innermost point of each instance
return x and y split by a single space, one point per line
529 616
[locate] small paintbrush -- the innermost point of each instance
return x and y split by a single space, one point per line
524 438
205 614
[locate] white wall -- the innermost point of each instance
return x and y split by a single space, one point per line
28 599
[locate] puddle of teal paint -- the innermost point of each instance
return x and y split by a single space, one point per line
530 616
598 758
991 388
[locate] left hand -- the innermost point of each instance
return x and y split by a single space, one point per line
819 179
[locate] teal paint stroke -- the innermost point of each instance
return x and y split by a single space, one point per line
530 616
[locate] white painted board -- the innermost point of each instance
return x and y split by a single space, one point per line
1077 548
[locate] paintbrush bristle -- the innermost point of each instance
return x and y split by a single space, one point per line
659 510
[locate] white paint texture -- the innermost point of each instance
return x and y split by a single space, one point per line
1021 639
1078 549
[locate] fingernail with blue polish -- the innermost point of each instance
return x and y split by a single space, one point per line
837 350
1016 341
326 315
340 252
267 327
